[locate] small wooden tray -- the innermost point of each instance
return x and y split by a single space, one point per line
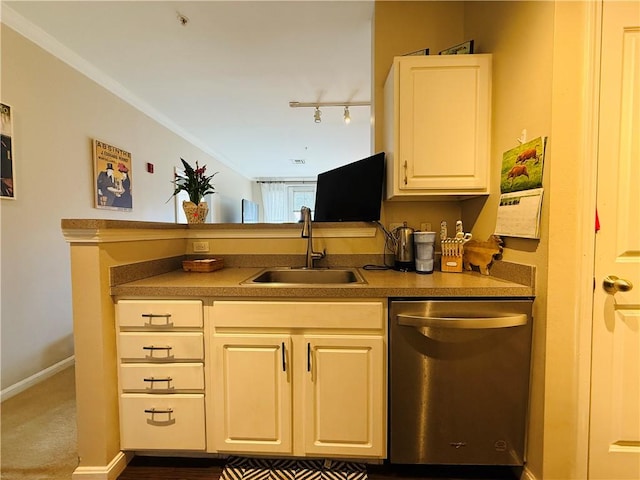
206 265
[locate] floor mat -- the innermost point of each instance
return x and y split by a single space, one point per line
241 468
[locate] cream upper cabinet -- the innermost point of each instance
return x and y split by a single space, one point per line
299 378
437 126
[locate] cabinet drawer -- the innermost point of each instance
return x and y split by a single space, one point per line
241 313
161 347
159 314
161 378
163 422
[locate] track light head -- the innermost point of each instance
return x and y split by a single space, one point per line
316 115
347 117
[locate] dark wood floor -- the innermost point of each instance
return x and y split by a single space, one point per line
165 468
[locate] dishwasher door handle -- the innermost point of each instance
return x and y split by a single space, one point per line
513 320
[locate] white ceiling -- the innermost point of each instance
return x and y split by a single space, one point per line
224 80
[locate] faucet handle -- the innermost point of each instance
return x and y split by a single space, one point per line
319 255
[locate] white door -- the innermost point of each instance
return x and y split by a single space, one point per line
252 393
343 411
614 447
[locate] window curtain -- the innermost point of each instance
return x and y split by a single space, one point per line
274 201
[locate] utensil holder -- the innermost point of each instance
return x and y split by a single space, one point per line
452 251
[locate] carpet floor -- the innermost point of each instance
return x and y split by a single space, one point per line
38 431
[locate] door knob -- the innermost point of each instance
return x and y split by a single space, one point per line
613 284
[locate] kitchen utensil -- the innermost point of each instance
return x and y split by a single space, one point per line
459 229
443 230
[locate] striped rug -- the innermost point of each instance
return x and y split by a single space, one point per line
240 468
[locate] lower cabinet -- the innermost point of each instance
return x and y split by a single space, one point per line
252 393
314 387
279 377
161 375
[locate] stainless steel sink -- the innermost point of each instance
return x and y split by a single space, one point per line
304 276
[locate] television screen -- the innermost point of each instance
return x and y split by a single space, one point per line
351 193
249 211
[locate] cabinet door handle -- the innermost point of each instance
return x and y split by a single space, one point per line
284 356
151 316
308 357
405 172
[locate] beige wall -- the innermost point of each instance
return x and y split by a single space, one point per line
57 111
520 36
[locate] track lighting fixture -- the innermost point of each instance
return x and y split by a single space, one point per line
318 113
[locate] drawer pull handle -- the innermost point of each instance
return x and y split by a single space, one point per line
160 423
153 380
151 316
153 348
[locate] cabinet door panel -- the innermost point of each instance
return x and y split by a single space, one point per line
435 137
343 405
252 393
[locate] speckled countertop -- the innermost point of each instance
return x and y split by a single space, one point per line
165 277
380 283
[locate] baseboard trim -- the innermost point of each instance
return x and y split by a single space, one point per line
36 378
107 472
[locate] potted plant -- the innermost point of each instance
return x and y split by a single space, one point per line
197 184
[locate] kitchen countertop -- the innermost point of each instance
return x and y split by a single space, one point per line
164 278
380 283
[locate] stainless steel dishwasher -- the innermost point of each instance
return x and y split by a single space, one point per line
459 381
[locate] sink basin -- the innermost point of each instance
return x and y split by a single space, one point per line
303 276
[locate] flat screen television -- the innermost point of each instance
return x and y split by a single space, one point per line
351 193
249 211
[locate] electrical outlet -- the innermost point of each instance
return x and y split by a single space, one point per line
200 247
393 226
425 227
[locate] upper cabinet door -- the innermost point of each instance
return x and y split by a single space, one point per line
437 126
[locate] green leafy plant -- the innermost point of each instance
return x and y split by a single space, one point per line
194 181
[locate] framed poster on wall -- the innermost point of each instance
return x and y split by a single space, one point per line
112 177
7 166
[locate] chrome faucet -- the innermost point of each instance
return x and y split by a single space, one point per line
305 212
